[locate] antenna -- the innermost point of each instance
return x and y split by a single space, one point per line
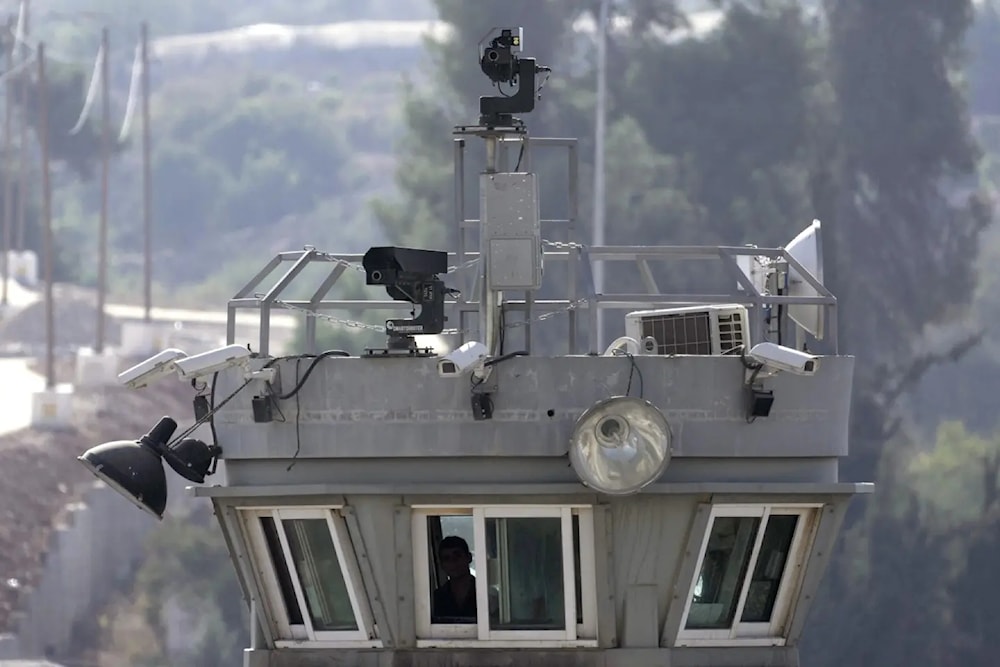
807 250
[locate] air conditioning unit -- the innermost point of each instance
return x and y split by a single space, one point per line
706 330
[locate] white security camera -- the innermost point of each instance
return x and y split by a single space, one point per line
781 358
151 369
213 361
462 360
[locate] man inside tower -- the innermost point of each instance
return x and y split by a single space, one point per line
455 600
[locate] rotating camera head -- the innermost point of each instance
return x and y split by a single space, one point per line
410 275
499 61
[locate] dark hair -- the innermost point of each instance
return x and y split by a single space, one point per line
454 542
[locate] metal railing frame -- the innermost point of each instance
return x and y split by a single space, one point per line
578 257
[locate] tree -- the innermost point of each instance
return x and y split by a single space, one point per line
908 214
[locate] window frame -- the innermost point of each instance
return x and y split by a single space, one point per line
288 635
772 632
441 635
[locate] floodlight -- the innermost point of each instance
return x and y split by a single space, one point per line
213 361
134 469
619 445
152 369
807 249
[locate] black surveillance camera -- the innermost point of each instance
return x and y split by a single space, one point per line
499 60
409 274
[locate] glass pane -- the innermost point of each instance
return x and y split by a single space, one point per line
723 569
281 569
454 599
769 568
320 575
525 570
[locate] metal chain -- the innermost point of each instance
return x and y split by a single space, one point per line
559 245
563 245
378 328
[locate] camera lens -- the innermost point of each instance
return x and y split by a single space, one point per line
376 275
492 55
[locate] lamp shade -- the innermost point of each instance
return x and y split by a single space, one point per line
620 445
134 468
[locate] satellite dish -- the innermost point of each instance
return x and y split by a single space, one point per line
807 249
619 445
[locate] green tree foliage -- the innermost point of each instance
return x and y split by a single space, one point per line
188 566
848 111
908 216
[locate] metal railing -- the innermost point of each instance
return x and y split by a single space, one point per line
579 258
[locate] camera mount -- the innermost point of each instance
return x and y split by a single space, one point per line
410 275
499 61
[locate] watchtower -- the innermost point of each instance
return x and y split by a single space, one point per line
670 500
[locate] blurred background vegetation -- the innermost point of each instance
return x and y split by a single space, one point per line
882 119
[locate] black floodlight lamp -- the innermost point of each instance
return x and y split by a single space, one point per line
134 468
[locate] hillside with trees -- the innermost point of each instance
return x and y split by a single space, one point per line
880 118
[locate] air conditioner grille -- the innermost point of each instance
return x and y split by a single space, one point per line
691 333
730 333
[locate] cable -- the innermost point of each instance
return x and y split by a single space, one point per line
208 415
505 357
520 155
298 384
634 370
298 411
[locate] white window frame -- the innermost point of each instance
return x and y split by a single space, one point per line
582 635
304 635
772 632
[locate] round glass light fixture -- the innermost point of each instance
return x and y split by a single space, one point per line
619 445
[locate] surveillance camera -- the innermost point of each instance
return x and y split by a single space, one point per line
151 369
212 361
781 358
462 360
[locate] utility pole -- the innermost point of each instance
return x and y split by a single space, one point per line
102 249
8 176
599 127
47 243
22 149
147 182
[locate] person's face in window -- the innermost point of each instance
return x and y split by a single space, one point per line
455 561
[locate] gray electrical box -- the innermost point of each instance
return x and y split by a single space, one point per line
511 237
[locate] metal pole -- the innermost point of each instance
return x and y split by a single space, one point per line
102 243
147 183
8 177
22 169
601 122
489 300
43 136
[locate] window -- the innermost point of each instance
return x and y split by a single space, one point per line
510 575
308 575
749 566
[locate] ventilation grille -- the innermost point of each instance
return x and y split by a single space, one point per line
691 333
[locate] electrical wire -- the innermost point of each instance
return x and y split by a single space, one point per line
298 409
207 417
315 360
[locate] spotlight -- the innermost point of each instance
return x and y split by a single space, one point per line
134 468
619 445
